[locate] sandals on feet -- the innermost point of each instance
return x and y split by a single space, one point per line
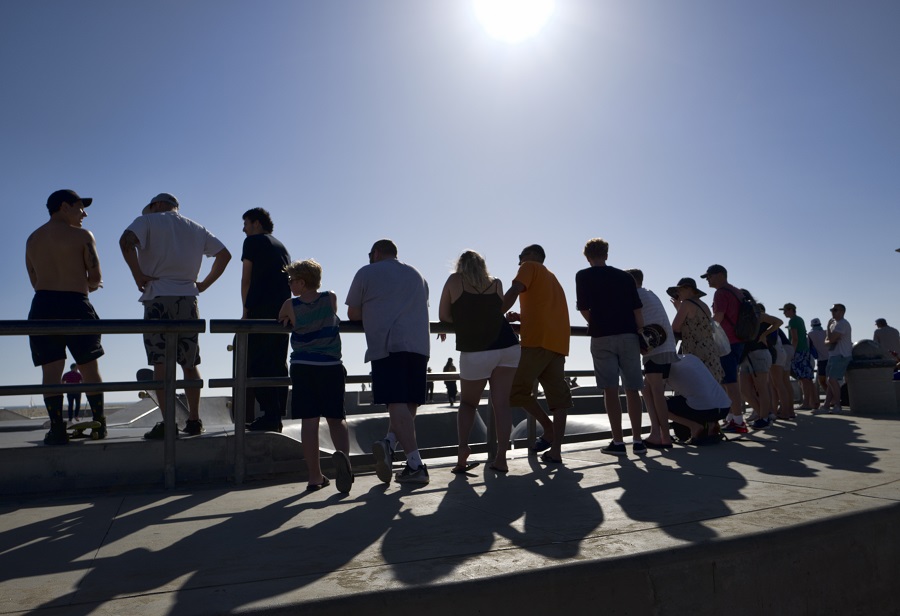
312 487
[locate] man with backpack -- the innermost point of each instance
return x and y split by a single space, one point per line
734 312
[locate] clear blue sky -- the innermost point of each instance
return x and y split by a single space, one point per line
764 136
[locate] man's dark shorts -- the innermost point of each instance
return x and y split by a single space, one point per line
731 362
678 405
399 378
317 391
84 348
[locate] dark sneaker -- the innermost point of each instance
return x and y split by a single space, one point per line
639 448
264 424
157 433
57 434
541 444
408 475
193 427
343 473
384 459
615 450
101 431
761 424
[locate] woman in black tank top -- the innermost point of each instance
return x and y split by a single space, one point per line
472 302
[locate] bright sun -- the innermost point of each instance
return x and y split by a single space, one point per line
513 20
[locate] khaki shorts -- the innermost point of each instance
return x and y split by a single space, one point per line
547 368
172 308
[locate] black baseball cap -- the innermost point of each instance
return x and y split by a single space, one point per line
714 269
55 201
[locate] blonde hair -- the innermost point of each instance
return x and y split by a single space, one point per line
309 271
473 269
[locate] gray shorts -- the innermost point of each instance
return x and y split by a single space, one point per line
757 362
172 308
615 355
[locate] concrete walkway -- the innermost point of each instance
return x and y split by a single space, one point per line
802 518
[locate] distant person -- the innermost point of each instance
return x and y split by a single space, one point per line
819 350
725 307
801 363
264 288
472 301
452 391
545 335
63 267
608 300
318 375
391 300
699 402
657 359
164 251
73 377
887 337
840 344
693 327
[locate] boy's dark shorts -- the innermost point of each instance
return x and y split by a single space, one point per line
317 391
84 348
399 378
731 362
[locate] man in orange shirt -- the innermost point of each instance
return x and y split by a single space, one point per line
545 343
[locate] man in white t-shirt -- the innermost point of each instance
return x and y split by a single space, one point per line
699 401
840 351
164 251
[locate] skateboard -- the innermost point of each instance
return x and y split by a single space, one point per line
76 430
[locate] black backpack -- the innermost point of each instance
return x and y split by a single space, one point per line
747 326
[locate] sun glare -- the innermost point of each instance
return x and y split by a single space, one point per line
513 21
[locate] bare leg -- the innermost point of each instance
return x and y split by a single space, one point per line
654 396
192 394
403 424
614 412
501 385
635 412
834 392
696 428
748 388
340 434
737 401
309 438
534 409
465 418
559 430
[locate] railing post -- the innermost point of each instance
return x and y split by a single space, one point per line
171 425
239 404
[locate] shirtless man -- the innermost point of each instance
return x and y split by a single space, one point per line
62 262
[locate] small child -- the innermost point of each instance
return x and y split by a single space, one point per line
317 373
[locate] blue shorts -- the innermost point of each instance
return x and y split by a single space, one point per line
837 366
801 365
399 378
730 363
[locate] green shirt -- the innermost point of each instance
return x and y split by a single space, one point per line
797 323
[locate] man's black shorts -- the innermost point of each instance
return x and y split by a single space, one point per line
399 378
678 405
84 348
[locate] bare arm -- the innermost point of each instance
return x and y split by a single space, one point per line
32 274
794 337
444 306
92 264
510 297
218 268
587 315
774 324
679 316
245 284
354 313
129 244
286 314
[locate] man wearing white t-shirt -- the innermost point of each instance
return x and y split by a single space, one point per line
164 251
840 345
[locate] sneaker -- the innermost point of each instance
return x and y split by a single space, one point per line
264 424
761 424
101 431
157 433
343 472
735 428
408 475
615 450
57 434
541 444
638 448
384 459
193 427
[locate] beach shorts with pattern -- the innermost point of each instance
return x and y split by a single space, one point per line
172 308
801 365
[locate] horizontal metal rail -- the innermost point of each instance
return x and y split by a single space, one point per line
51 327
90 388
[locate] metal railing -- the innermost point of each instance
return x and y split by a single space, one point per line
169 329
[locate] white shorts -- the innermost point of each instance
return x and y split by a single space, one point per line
478 365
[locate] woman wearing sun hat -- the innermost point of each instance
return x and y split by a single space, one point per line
692 325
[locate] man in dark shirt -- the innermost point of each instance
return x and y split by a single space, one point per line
264 288
608 300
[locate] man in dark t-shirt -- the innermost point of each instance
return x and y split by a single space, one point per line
264 288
